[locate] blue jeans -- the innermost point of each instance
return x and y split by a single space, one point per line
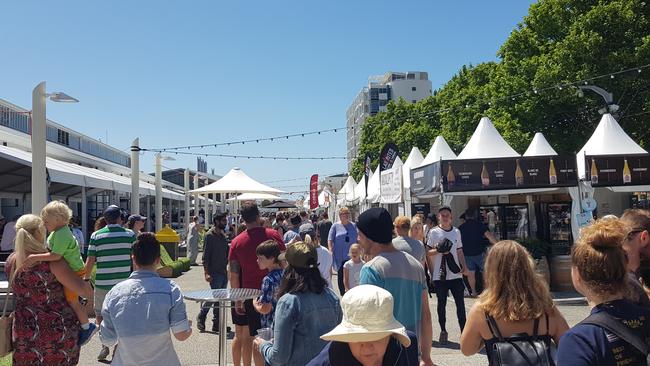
218 281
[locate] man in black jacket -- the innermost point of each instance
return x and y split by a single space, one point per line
215 261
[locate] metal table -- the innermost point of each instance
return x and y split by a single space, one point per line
223 298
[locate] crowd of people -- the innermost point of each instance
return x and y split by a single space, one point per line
386 270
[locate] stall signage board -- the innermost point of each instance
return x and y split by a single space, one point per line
509 173
391 185
618 170
425 208
425 179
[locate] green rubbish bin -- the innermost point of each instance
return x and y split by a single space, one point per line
169 240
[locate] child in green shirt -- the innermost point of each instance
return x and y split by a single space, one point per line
62 243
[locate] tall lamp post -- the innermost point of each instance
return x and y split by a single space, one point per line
39 138
159 159
608 97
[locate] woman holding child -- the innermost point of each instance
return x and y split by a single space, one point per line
46 330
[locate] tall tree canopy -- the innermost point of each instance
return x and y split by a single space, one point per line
559 42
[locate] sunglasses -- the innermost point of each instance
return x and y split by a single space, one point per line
633 232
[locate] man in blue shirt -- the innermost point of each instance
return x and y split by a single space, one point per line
139 312
341 236
397 272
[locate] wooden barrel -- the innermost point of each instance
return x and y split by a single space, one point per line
541 267
561 274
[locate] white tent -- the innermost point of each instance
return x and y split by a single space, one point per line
608 139
360 190
487 142
539 147
255 197
390 183
345 195
413 160
373 187
236 181
439 150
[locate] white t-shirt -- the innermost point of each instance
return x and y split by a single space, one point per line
437 235
325 264
354 271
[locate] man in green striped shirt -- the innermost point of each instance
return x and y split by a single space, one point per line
110 248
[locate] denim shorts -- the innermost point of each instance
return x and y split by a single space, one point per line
475 262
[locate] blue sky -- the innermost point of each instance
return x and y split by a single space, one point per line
193 72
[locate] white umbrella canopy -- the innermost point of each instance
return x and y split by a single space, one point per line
439 149
487 142
236 181
413 161
255 196
540 147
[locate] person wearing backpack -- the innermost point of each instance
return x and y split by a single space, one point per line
617 330
514 317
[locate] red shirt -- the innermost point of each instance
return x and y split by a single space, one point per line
242 250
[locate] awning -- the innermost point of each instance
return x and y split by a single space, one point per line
82 176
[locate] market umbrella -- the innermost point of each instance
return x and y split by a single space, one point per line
281 204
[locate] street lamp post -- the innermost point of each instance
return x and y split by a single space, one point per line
610 107
159 159
39 130
135 177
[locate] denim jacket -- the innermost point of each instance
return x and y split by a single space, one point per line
138 314
300 320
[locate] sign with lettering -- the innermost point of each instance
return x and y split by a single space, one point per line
425 180
390 186
618 170
508 173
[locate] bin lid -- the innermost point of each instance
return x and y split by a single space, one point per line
167 235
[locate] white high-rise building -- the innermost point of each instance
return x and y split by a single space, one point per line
413 86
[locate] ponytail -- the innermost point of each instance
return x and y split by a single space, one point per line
30 238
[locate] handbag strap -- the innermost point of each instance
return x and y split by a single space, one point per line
494 328
608 322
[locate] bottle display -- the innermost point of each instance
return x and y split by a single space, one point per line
451 177
627 176
552 174
594 172
485 176
519 175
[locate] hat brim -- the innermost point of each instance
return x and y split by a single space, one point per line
349 333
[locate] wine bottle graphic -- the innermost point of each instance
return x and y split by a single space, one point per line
594 172
485 177
627 176
451 177
552 175
519 175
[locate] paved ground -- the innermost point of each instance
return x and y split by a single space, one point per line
201 348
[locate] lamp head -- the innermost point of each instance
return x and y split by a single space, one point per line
61 97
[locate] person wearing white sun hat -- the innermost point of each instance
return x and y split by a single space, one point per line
369 334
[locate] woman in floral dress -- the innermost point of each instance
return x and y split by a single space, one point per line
45 328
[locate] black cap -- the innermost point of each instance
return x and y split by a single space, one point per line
112 212
134 218
377 225
295 220
443 208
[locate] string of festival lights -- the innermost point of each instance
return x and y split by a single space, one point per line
489 102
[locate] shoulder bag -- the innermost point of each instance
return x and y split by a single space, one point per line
520 349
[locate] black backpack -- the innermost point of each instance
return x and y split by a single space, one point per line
519 349
614 326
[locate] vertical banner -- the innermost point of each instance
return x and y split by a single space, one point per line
366 171
313 192
387 156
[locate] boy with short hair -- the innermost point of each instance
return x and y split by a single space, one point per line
62 244
267 259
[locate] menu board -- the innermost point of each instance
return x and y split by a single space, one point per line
618 170
425 180
509 173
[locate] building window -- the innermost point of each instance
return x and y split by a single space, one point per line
410 76
63 137
413 88
414 101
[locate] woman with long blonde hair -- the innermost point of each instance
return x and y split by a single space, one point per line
515 298
45 326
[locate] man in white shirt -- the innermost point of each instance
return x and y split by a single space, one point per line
447 266
8 236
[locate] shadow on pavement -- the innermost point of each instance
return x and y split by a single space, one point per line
447 345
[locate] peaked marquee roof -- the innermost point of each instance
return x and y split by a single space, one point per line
487 142
236 181
539 147
439 149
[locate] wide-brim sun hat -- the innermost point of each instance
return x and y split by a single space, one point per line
367 317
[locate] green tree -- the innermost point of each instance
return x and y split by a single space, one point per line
559 42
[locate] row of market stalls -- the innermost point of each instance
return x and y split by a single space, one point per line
538 194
